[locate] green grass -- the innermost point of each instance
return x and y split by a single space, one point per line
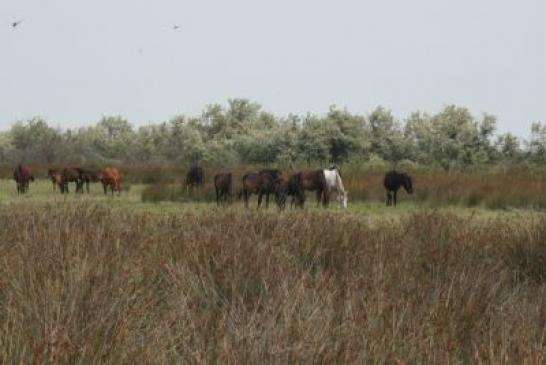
42 194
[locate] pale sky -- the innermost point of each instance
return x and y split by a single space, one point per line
72 61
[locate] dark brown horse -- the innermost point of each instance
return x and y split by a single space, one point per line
22 176
88 176
313 180
288 186
111 177
260 184
393 181
70 174
274 174
195 177
222 185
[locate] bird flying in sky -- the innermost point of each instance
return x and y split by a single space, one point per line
15 24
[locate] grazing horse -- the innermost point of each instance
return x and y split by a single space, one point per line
334 183
195 177
56 177
274 174
111 177
257 184
393 181
288 186
88 176
222 185
70 174
313 180
22 176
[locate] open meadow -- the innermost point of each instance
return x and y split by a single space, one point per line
455 274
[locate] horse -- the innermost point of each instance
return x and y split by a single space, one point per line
274 174
88 176
288 186
70 174
256 183
111 177
195 177
222 186
313 180
56 177
393 181
22 176
334 183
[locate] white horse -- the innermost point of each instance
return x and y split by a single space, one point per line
334 183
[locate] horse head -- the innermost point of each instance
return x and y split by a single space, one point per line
407 183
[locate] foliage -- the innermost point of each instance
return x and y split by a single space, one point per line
242 132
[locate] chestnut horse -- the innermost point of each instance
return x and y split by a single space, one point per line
56 177
111 177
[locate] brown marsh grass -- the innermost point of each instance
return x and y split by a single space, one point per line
84 283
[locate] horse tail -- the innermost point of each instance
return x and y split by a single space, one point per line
324 188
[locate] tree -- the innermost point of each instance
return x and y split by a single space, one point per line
35 140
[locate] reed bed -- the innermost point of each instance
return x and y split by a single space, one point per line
86 283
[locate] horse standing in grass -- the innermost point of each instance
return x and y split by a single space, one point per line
111 177
334 184
393 181
68 175
56 177
88 176
22 176
260 184
222 185
274 174
313 180
195 177
288 186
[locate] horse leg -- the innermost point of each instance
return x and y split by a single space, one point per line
260 194
245 197
266 200
394 197
388 198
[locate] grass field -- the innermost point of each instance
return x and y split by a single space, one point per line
95 279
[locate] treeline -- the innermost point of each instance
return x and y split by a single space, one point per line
242 132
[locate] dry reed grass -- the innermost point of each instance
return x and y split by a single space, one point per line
88 284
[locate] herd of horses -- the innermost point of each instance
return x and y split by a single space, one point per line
264 183
272 182
110 178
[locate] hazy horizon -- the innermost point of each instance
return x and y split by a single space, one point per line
73 63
